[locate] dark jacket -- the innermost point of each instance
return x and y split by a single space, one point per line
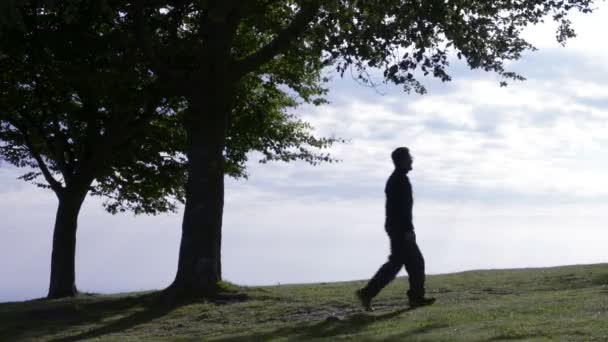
399 203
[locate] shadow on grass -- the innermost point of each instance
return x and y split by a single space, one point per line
600 279
39 318
326 328
151 310
417 331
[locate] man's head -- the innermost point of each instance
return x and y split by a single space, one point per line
402 158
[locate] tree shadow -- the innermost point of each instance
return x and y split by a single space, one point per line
600 279
154 305
405 336
528 336
40 317
328 327
140 317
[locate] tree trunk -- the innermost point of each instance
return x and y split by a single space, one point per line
210 101
200 250
63 275
199 266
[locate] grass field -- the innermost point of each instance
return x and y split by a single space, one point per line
564 303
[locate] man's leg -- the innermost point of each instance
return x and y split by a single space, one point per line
384 275
414 265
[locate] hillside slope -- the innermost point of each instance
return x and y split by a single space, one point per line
564 303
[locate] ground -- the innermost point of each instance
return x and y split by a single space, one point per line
563 303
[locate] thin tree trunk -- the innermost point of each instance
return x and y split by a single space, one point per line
63 274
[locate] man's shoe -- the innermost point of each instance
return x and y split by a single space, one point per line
365 301
414 303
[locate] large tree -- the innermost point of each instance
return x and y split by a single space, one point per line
208 49
86 119
82 110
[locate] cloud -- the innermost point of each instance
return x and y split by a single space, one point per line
8 179
536 137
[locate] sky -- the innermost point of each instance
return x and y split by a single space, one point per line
504 177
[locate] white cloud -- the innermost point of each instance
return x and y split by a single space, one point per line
589 30
533 137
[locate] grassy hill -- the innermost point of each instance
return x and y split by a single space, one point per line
562 303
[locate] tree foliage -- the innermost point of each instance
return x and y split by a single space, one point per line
288 42
74 111
410 39
75 93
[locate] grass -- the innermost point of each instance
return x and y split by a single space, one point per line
564 303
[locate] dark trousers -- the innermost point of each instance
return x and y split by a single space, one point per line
404 252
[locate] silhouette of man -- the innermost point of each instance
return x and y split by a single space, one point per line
398 225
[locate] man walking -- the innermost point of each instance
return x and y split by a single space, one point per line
400 229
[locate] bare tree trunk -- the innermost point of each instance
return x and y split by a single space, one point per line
199 266
63 273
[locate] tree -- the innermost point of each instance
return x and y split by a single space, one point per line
86 119
82 110
208 49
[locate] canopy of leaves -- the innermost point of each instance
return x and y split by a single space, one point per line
103 82
279 49
405 39
78 104
285 46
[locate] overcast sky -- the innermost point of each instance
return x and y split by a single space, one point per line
503 177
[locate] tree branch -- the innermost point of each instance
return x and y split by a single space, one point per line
56 148
53 183
60 146
282 40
